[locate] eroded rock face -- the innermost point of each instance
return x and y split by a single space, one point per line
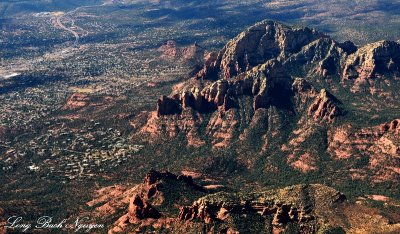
267 85
3 223
258 82
210 68
167 106
304 92
154 177
304 208
373 60
260 43
147 200
324 107
171 50
252 64
139 209
393 126
192 52
374 69
323 56
282 206
379 145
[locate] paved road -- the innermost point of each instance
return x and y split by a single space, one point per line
61 25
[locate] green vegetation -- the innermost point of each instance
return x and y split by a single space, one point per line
118 67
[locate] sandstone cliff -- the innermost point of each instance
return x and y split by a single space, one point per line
280 90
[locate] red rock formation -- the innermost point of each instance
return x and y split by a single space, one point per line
139 209
323 57
324 107
202 212
219 207
304 92
77 101
379 144
3 230
282 217
210 68
267 84
170 50
167 106
260 43
393 126
187 213
251 89
192 52
221 128
307 208
372 60
153 177
150 197
219 99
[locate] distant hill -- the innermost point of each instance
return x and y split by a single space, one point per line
9 8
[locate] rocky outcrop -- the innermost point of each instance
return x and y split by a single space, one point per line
261 82
3 223
171 50
154 181
210 67
167 106
192 52
77 101
222 128
139 209
150 201
218 102
324 107
393 126
252 64
258 44
305 208
154 177
323 56
304 93
378 145
373 60
296 204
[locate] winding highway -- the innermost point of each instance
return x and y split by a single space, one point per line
61 25
70 13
